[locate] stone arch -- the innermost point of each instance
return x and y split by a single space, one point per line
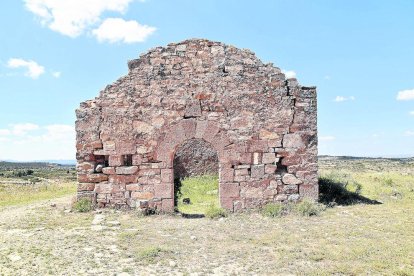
195 157
209 131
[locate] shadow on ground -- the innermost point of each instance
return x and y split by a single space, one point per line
335 192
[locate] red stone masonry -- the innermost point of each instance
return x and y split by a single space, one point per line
262 126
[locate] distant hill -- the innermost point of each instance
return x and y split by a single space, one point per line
60 162
331 157
37 164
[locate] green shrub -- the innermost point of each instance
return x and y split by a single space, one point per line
150 254
83 205
215 212
309 208
275 210
388 182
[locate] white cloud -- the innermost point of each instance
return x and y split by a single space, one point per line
411 113
55 141
4 132
34 70
327 77
72 17
405 95
56 74
409 133
326 138
289 74
118 30
22 129
343 99
59 132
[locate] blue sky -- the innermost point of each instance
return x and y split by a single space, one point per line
360 54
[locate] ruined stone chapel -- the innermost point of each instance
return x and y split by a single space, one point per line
202 100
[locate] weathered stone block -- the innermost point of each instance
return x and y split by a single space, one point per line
136 160
226 175
141 195
115 160
109 146
229 190
92 178
268 158
239 172
270 169
123 179
290 179
200 129
108 170
142 127
85 167
226 203
257 171
257 146
97 144
133 187
293 140
192 109
127 170
164 190
265 134
149 172
257 158
167 175
309 191
167 205
240 178
86 186
289 189
103 188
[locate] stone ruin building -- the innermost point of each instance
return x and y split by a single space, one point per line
203 104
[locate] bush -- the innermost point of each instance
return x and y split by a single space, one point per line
83 205
215 212
304 208
150 254
274 210
309 208
388 182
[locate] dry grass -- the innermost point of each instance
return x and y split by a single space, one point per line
14 194
376 239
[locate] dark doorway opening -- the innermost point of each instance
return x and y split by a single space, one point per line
195 177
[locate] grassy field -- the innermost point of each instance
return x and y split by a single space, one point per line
202 192
14 194
23 183
348 238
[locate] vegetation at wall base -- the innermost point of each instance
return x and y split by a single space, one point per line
83 205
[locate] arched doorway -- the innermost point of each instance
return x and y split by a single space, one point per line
196 180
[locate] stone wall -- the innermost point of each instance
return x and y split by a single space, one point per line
261 125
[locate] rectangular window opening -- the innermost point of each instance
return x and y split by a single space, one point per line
127 160
101 161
